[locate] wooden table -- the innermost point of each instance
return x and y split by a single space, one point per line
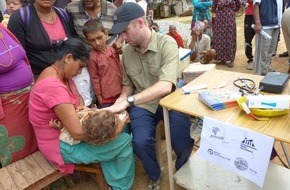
276 127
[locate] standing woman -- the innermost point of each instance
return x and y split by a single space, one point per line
225 32
17 139
39 27
201 11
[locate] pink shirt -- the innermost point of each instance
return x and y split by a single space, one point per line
46 94
249 9
55 30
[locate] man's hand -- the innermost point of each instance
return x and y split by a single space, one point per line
258 27
194 33
119 106
118 47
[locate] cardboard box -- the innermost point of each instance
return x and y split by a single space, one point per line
196 69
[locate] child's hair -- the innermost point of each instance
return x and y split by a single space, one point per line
93 26
99 127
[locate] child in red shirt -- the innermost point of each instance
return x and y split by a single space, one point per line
104 66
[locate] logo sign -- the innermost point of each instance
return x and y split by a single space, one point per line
240 150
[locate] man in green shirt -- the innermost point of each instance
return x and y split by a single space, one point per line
150 62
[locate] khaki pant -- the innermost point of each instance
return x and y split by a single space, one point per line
286 28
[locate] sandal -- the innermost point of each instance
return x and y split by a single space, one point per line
230 63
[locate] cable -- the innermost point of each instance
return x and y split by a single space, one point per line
247 85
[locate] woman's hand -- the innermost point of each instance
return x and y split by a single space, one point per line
55 123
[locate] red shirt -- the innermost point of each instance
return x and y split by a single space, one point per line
177 38
249 9
106 73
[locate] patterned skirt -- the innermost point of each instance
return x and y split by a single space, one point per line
17 139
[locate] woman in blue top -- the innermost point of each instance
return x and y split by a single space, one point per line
201 10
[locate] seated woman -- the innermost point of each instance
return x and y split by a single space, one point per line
17 139
54 96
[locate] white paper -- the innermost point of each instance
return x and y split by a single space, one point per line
240 150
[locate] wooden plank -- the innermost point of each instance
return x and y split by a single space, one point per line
45 181
35 167
89 168
17 175
6 180
29 175
45 165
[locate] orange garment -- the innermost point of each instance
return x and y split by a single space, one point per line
177 38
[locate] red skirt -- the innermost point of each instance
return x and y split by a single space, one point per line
17 138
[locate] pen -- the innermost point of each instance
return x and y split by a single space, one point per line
190 92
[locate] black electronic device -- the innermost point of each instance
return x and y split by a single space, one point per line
274 82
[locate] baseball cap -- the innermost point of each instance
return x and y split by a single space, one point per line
124 15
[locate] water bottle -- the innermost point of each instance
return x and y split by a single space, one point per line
263 33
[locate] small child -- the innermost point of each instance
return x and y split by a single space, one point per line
104 65
99 126
11 6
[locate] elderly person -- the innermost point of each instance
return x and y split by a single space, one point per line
200 43
174 34
17 136
54 96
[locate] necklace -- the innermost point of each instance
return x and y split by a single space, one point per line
65 82
58 74
49 17
6 47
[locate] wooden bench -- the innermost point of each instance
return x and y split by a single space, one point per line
35 172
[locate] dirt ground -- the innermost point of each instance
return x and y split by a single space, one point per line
280 64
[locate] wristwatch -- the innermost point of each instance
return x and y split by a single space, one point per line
130 100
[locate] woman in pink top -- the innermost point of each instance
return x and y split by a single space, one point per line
55 96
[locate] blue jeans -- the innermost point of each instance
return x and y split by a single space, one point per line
143 126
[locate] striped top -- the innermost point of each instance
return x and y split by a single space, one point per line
80 16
